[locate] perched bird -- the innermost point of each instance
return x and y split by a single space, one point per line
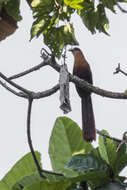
82 70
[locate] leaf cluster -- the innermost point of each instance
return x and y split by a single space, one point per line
81 164
53 20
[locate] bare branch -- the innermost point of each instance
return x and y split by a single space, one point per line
106 136
118 70
13 91
46 93
14 84
29 136
35 68
120 8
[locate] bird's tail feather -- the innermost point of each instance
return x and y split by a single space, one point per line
88 122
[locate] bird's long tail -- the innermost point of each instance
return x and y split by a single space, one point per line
88 122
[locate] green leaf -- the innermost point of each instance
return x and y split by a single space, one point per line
76 4
4 186
34 181
111 186
95 19
13 9
109 4
107 149
94 170
85 163
58 37
102 24
79 4
65 141
120 164
89 19
22 168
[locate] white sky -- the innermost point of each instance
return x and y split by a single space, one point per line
103 54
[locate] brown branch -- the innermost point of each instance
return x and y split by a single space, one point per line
81 83
86 86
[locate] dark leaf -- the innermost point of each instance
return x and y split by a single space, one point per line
13 9
111 186
85 163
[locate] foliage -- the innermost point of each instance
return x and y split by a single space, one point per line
78 161
53 19
12 8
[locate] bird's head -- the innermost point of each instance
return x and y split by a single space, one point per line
74 50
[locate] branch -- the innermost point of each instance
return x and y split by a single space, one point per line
14 84
30 142
106 136
86 86
46 93
20 94
35 68
29 137
120 8
118 70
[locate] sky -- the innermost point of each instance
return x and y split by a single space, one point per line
18 54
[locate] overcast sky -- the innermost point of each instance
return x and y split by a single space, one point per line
17 54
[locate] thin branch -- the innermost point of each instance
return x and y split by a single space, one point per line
35 68
14 84
106 136
20 94
29 137
51 172
118 70
46 93
120 8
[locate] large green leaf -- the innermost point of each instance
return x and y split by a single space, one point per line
107 149
13 9
4 186
34 181
22 168
65 141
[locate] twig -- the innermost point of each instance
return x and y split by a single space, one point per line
29 137
123 141
51 172
46 93
35 68
118 70
120 8
14 84
13 91
106 136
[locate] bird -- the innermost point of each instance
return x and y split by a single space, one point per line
82 70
